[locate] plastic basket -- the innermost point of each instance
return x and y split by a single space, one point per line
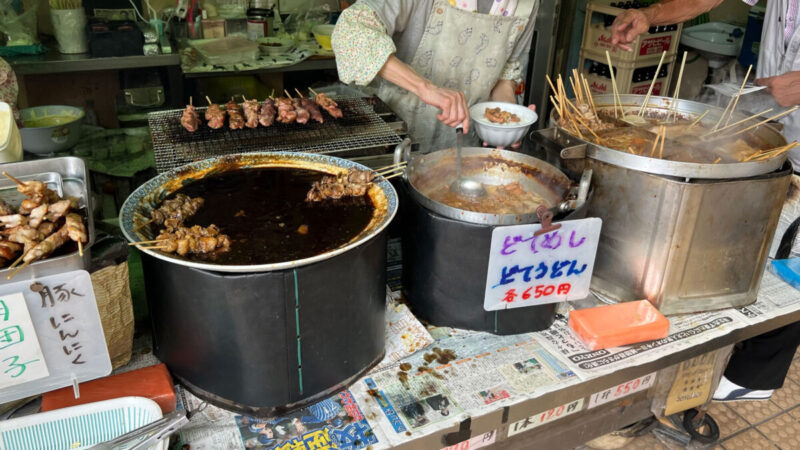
627 83
80 427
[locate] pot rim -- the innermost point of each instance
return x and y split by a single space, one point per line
133 201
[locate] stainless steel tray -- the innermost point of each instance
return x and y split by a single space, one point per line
71 173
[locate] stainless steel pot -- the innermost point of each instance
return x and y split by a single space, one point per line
688 237
429 172
265 339
446 250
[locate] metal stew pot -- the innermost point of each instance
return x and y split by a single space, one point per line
264 339
446 250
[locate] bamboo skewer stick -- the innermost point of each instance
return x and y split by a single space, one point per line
655 142
772 153
614 85
738 94
390 171
146 242
392 166
18 269
788 111
652 84
556 106
14 179
737 123
393 176
287 93
717 160
19 260
191 103
298 92
209 101
142 225
313 92
696 121
80 248
589 95
578 117
677 92
661 147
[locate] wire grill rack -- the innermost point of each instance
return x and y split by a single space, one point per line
360 128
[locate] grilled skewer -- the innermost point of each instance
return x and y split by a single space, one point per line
215 116
286 111
235 117
251 111
266 116
174 211
328 104
189 119
311 107
197 240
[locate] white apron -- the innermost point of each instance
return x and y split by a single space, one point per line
775 58
459 50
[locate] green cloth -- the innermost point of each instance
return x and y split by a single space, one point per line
118 152
23 50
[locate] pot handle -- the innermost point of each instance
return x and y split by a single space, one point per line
583 193
402 153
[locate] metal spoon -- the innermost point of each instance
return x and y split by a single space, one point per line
464 186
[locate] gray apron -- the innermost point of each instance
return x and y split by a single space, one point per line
459 50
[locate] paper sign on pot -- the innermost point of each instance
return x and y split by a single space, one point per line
528 270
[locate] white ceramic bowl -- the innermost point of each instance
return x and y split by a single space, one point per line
502 135
274 45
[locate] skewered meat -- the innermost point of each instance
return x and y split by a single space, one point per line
9 250
48 245
286 111
13 220
267 115
328 104
251 108
189 119
37 192
75 228
313 110
27 206
37 215
354 183
24 234
302 114
58 209
215 116
174 211
497 115
46 228
235 117
196 239
5 208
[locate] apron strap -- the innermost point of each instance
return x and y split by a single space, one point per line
525 8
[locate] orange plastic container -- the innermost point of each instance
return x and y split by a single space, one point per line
621 324
153 382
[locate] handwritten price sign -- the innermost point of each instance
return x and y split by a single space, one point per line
21 358
529 270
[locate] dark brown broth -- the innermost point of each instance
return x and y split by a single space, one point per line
274 208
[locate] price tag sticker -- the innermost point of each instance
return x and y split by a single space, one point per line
542 418
623 390
21 358
529 270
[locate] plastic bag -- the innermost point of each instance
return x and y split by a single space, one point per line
300 23
19 27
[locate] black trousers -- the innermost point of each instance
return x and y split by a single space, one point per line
762 362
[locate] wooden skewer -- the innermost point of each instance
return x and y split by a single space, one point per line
12 178
244 98
738 94
738 123
287 93
661 147
313 92
400 164
14 264
272 93
677 92
209 101
630 150
589 95
775 152
578 117
396 169
393 176
753 155
696 121
788 111
142 225
298 92
655 142
614 84
556 106
717 160
575 90
190 101
18 269
80 248
652 84
550 82
146 242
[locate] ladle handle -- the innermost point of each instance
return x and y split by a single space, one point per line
459 139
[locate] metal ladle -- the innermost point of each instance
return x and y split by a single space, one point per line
464 186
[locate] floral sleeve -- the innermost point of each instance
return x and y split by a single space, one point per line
512 71
360 44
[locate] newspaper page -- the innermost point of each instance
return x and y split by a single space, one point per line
775 297
464 375
685 331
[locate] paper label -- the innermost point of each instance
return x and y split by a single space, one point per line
528 270
21 358
542 418
623 390
692 385
483 440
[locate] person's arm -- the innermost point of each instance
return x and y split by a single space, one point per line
504 91
784 88
453 104
633 22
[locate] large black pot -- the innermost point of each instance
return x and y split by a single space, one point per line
263 339
262 343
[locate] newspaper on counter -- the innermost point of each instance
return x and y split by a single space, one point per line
685 331
463 375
